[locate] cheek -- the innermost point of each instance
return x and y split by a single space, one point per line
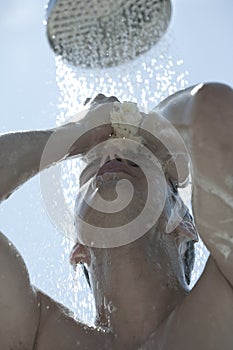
82 206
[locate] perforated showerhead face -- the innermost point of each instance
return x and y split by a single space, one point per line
104 33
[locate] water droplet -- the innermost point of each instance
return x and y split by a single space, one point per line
111 307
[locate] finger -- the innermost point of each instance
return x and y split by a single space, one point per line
165 142
98 98
90 139
87 101
101 98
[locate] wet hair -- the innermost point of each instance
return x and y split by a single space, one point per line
86 274
189 256
189 259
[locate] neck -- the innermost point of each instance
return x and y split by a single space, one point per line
133 294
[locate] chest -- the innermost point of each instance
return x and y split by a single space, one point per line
204 325
208 331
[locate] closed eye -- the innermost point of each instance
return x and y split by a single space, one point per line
188 216
133 164
174 186
129 162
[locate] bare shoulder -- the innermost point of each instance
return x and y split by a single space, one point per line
29 319
181 107
19 316
206 314
59 330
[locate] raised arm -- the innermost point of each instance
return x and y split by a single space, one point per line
21 152
21 306
203 115
20 155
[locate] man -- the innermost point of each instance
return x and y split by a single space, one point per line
141 288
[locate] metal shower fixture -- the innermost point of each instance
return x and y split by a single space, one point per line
105 33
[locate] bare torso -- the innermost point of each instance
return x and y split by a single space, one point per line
30 320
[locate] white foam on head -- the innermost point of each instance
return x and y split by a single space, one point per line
128 114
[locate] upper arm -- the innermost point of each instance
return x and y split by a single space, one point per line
212 149
19 307
204 117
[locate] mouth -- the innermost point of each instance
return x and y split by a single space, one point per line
111 167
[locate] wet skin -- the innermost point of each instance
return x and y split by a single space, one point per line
143 282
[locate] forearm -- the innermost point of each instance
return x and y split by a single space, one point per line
20 158
24 154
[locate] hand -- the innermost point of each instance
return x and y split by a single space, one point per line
165 142
92 124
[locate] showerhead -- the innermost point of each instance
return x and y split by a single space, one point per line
105 33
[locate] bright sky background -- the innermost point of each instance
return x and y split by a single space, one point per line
202 32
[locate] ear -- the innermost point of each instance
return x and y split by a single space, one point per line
80 254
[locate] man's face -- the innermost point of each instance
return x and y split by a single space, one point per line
100 183
114 186
117 179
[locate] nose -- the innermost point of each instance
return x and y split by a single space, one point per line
116 162
113 153
117 158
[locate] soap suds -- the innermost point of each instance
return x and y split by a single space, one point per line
123 117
